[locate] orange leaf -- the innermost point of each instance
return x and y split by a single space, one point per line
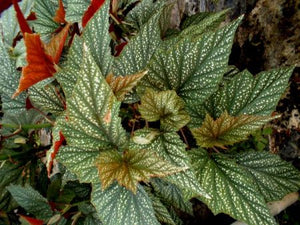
55 46
60 13
92 9
21 19
32 221
40 65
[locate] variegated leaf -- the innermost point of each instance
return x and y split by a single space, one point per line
76 9
272 176
231 188
169 147
244 94
132 167
137 53
9 24
193 67
67 77
97 39
123 85
9 81
227 130
165 106
119 206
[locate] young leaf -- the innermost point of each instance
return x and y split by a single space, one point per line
119 206
123 85
165 106
92 9
231 188
21 19
40 65
272 176
227 130
32 221
97 39
9 77
245 94
132 167
31 201
169 147
60 13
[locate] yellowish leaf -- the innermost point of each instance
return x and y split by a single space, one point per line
123 85
227 130
131 167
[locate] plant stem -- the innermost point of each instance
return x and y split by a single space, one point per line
184 138
13 155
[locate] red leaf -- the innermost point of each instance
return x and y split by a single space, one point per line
60 13
92 9
21 19
28 104
32 221
5 4
40 65
31 16
55 46
56 147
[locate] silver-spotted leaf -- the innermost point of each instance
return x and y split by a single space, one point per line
192 67
97 39
165 106
9 81
47 99
119 206
45 11
9 25
273 177
231 188
93 112
137 53
31 200
227 130
244 94
67 77
132 167
169 147
76 9
123 85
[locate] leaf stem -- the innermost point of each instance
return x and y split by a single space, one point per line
184 138
13 155
44 115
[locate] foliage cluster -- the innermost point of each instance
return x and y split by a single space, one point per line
111 117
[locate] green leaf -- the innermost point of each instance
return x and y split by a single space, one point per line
9 23
19 53
227 130
132 167
9 81
141 13
45 11
119 206
273 177
231 188
137 53
93 123
67 77
169 147
32 201
245 94
47 98
76 9
161 211
193 67
165 106
171 194
97 39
